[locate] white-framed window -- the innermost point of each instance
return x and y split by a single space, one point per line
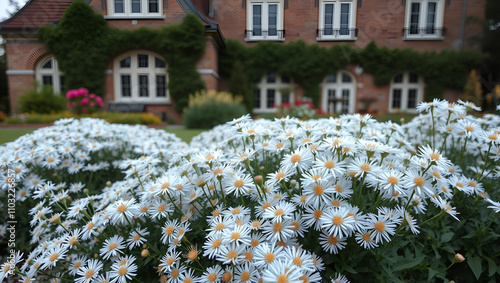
339 93
424 20
134 8
337 20
407 90
47 73
265 20
272 90
141 76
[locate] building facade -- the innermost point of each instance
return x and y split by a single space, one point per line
140 76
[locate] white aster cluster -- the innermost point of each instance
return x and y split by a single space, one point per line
247 200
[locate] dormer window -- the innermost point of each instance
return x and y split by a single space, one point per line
134 9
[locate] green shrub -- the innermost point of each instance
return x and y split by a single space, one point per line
13 120
41 101
43 118
209 109
128 118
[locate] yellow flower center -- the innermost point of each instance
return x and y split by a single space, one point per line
379 226
337 220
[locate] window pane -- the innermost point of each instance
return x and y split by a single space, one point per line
346 78
47 65
412 98
125 63
256 99
413 78
398 78
328 29
271 94
159 63
285 79
344 18
431 18
257 20
161 86
125 85
331 101
273 20
396 98
136 6
143 85
119 6
285 98
414 17
345 100
271 77
153 6
47 80
142 61
61 84
332 78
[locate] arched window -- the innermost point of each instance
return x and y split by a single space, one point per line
272 90
47 73
141 76
339 93
407 90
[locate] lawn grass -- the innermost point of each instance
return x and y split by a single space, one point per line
8 135
185 134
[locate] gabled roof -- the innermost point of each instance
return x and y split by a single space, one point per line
34 14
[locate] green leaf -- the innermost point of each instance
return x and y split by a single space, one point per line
475 264
492 267
432 272
408 263
446 237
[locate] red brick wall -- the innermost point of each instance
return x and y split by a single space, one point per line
22 55
381 21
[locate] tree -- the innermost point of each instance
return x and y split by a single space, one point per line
491 46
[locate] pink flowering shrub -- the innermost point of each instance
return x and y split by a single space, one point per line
299 108
80 101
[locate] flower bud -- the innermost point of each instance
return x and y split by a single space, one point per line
144 253
459 257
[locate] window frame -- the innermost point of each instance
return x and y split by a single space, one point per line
406 86
280 15
263 86
339 86
56 75
135 72
127 10
336 22
422 21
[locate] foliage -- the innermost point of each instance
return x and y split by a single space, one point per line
82 33
396 203
81 46
3 116
111 117
208 109
43 101
308 65
80 101
472 90
238 85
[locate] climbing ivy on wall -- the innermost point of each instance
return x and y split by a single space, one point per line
83 44
308 65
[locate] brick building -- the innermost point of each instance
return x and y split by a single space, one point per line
141 76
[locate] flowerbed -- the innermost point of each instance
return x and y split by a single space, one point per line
260 201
